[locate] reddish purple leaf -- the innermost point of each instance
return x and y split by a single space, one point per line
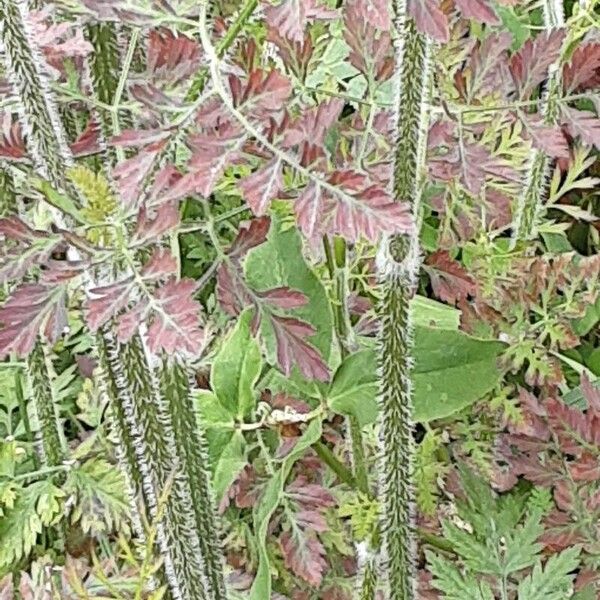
213 152
161 264
548 138
430 19
30 248
175 324
371 49
263 93
104 302
171 59
313 125
130 173
131 138
305 557
251 234
232 293
354 209
582 124
480 164
529 66
293 349
480 10
262 187
487 64
33 309
283 297
88 142
449 279
12 144
374 12
153 98
591 393
151 228
583 71
290 17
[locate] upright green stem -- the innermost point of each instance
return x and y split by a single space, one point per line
398 263
336 264
48 149
148 422
24 413
40 377
104 65
530 203
368 583
191 448
39 117
8 195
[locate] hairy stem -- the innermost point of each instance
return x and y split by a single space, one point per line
191 447
39 117
148 422
531 201
368 579
40 377
398 264
336 264
8 195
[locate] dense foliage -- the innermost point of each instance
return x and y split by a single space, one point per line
301 299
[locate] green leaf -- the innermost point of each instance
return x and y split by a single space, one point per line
587 593
589 320
576 398
452 370
514 24
231 461
454 584
236 369
218 423
100 497
426 312
261 587
354 387
554 581
522 548
60 201
37 506
279 262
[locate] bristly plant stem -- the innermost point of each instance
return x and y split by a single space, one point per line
191 448
40 378
48 149
39 116
530 203
148 422
398 263
336 265
368 582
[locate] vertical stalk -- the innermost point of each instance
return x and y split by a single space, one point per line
52 446
152 439
191 448
398 263
8 195
123 440
24 414
46 141
530 203
47 147
336 264
104 65
368 583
